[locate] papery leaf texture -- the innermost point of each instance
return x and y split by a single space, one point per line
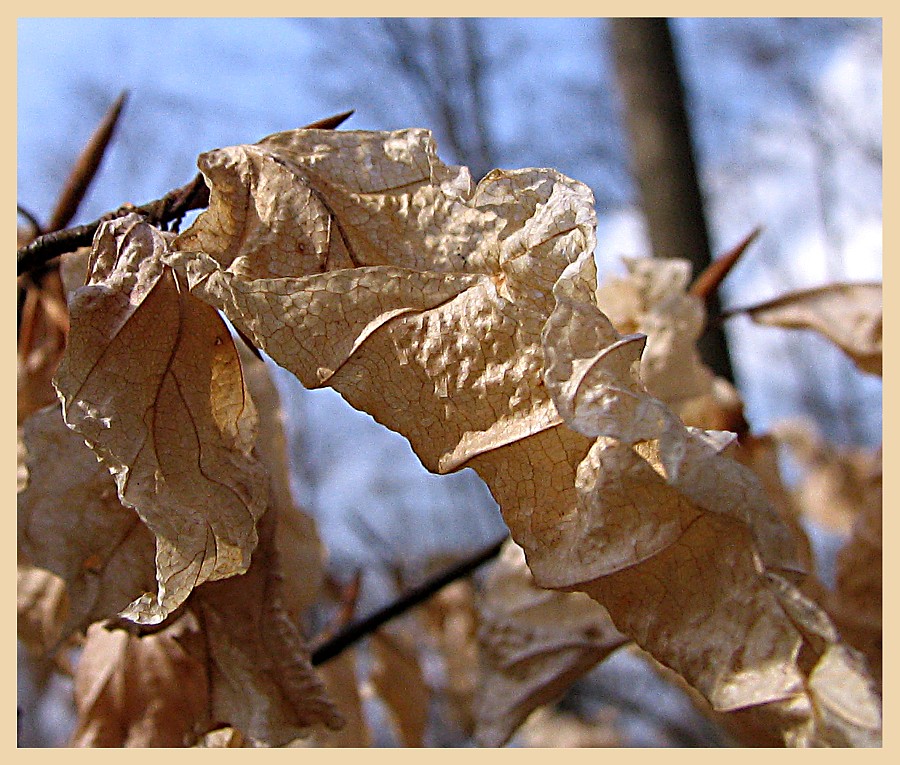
152 381
467 319
848 314
71 522
533 644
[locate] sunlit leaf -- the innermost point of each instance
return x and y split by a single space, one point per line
850 315
152 381
534 644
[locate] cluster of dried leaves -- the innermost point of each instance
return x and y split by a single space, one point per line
469 319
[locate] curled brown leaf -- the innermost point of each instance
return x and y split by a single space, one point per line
152 381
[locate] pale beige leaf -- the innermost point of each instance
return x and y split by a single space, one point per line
450 359
261 678
448 315
42 608
152 381
400 683
695 588
653 300
356 198
70 522
593 372
850 315
534 643
148 691
845 707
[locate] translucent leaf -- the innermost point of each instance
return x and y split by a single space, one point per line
850 315
148 691
707 584
151 380
534 643
467 320
593 372
450 358
653 300
398 679
261 678
70 522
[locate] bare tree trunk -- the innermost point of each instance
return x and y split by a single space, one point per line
663 156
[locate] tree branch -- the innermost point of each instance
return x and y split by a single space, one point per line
171 207
356 631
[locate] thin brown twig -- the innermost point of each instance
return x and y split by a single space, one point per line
171 207
706 284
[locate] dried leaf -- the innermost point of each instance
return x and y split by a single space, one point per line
341 679
42 607
148 691
398 679
534 643
261 678
451 359
593 372
850 315
300 551
151 380
70 522
653 300
424 304
695 588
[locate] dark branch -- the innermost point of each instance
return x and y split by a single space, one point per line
358 630
172 206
